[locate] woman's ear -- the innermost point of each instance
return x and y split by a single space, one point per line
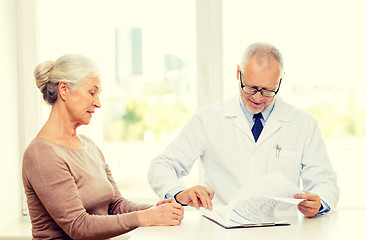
63 90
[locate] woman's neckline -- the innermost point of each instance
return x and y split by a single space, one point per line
63 145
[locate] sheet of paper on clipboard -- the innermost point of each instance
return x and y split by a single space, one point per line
254 205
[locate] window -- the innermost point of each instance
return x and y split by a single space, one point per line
147 51
148 69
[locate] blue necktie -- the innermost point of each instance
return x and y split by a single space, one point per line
257 127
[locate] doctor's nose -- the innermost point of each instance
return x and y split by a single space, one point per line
257 96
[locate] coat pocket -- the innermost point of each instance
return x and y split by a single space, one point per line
287 162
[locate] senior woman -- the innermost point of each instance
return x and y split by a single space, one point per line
69 187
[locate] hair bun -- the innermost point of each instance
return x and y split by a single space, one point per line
42 73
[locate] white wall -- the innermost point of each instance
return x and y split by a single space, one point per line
10 185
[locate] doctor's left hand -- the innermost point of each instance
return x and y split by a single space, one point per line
311 204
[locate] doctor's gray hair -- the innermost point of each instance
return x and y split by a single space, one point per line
72 68
263 51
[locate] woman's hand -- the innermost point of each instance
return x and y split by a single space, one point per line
165 213
161 202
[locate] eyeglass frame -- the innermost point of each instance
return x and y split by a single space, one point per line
259 90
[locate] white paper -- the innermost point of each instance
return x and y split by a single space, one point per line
294 201
256 202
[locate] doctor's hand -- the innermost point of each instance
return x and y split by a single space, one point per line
311 204
197 196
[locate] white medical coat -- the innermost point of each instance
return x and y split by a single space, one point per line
220 136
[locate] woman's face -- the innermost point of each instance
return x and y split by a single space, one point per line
83 100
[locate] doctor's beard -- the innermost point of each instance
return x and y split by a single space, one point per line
254 106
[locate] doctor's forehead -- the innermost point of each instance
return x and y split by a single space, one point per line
261 76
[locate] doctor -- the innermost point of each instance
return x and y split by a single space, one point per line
247 137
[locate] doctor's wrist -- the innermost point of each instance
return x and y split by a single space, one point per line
175 198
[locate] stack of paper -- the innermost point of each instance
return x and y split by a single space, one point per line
254 204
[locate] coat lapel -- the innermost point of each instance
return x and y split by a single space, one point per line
279 116
234 112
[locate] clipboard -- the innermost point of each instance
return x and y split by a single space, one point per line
247 225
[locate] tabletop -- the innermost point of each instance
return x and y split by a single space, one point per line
341 224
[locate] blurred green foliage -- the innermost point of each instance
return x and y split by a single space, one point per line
161 119
157 119
351 121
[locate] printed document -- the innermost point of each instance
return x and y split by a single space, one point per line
254 204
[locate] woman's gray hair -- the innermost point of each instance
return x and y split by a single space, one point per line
264 51
72 68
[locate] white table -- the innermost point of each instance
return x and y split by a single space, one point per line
341 224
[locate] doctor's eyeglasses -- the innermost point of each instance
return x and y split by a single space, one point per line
253 90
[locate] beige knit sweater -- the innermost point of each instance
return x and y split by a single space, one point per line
71 193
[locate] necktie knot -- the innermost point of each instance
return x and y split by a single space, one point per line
257 116
258 126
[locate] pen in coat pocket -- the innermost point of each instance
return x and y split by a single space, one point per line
278 150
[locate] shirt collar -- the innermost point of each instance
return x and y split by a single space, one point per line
249 116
